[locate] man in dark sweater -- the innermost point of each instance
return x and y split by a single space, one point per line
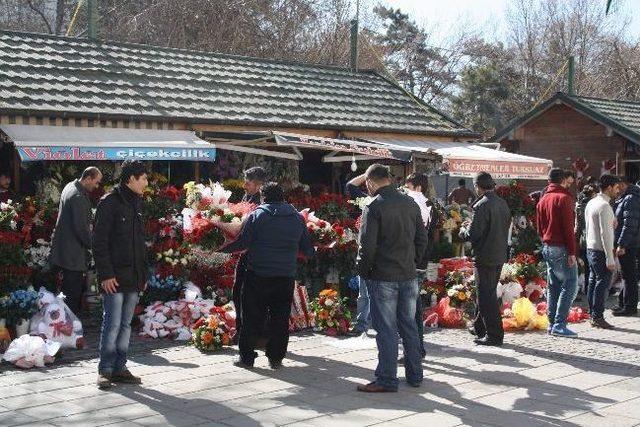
392 242
272 235
488 234
555 218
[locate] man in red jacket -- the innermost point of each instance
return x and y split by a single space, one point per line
555 217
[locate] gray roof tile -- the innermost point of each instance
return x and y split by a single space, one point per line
42 72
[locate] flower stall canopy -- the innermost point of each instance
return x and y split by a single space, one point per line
367 149
35 143
272 143
466 159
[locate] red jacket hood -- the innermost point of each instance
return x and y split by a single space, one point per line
557 188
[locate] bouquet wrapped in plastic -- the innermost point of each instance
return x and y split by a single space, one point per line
524 315
29 351
443 315
56 322
301 314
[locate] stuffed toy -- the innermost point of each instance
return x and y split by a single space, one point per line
56 322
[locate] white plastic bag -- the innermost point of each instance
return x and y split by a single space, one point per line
191 292
29 351
56 322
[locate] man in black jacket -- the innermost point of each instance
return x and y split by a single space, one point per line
121 263
392 241
627 241
488 233
272 235
71 240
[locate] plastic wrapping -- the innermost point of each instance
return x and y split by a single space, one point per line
301 314
29 351
524 315
443 315
56 322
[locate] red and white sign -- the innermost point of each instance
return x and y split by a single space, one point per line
498 169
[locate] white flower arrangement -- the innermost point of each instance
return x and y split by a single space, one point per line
38 255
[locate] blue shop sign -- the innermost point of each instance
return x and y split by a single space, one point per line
39 153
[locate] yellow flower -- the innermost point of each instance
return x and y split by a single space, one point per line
462 296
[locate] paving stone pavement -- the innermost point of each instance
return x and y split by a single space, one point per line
534 380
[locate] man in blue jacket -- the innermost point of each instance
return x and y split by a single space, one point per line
627 241
272 235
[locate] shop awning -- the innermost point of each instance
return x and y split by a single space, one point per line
343 146
286 145
35 143
467 159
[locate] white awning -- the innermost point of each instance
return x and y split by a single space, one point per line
96 143
467 159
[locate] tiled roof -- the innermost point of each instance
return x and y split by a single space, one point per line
623 117
625 113
43 73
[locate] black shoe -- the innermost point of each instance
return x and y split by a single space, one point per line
125 377
356 333
601 323
415 385
488 342
472 331
242 364
275 364
104 382
624 312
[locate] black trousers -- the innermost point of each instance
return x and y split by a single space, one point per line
584 287
241 270
488 321
628 298
74 285
265 298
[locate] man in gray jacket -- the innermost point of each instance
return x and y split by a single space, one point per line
71 238
488 233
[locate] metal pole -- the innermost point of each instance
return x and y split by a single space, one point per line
571 75
354 45
92 19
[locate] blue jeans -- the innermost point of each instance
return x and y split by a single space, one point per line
562 286
599 282
363 319
393 310
117 312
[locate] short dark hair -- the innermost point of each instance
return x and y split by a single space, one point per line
132 168
625 179
607 181
377 172
418 179
568 173
485 181
462 182
5 173
255 173
91 172
272 193
556 176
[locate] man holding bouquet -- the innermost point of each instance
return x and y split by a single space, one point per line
253 179
272 235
